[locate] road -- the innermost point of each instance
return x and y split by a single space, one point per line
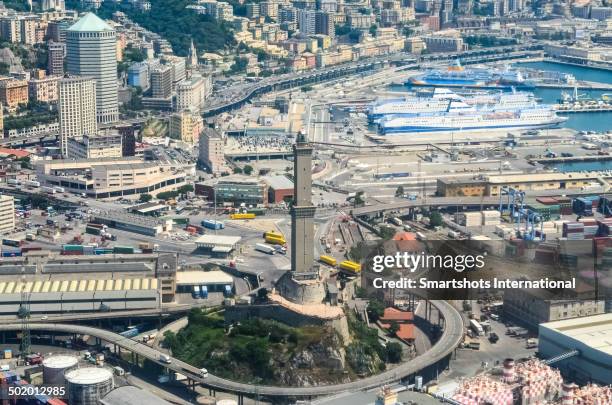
450 339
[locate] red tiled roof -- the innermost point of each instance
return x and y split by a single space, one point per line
406 331
16 152
393 314
404 236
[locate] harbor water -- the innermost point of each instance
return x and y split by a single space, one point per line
591 121
600 121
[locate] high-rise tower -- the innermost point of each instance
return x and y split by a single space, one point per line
302 212
77 109
91 47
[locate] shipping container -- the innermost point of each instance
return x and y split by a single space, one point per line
123 250
257 211
212 224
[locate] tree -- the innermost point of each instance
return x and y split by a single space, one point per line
373 29
187 188
237 170
394 352
358 200
435 219
167 195
239 65
306 89
144 198
354 35
248 169
393 328
375 310
262 294
386 232
399 191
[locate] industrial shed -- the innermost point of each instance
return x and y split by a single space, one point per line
214 281
218 245
591 336
58 296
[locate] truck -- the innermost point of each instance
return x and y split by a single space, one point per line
30 237
262 247
420 236
453 234
212 224
59 189
396 221
31 183
13 182
476 327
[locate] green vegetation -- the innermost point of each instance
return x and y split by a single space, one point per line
240 64
37 116
144 198
376 309
386 232
187 188
306 89
185 24
251 351
399 191
435 219
19 5
167 195
488 41
248 170
237 170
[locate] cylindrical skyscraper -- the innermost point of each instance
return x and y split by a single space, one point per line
91 48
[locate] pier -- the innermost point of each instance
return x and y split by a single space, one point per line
570 109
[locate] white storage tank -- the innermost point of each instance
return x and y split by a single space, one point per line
86 386
54 368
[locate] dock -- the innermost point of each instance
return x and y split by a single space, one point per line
562 109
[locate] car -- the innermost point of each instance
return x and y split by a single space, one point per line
44 318
493 338
203 372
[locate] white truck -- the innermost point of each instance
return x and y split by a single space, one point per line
476 327
262 247
396 221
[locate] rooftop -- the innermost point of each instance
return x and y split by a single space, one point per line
593 331
90 23
541 177
203 277
130 395
394 314
218 240
278 182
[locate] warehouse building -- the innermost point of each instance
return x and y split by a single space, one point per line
280 188
214 281
218 245
530 308
141 224
492 186
591 336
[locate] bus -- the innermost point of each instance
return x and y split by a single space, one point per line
328 260
275 239
242 216
350 267
12 242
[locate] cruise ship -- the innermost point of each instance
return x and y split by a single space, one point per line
444 100
457 76
472 121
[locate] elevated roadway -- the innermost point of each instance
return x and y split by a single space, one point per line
450 339
428 202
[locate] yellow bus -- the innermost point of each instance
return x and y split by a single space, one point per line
351 267
242 216
275 240
328 260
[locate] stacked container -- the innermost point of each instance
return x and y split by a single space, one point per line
605 227
591 227
490 218
565 205
469 219
583 207
573 230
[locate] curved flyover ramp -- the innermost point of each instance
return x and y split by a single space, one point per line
450 339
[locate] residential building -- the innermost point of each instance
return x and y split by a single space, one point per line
191 93
359 21
186 126
105 144
10 29
444 43
161 82
269 9
211 153
324 23
306 20
56 30
252 10
13 92
91 48
55 58
178 66
44 89
601 13
77 109
7 214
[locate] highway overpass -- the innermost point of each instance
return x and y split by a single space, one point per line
450 339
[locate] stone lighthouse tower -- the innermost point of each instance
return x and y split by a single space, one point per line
302 212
